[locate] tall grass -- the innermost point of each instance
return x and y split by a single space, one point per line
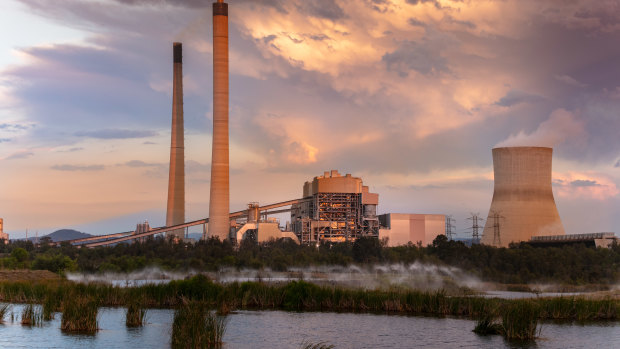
30 316
520 320
79 314
194 326
4 309
301 296
50 306
136 314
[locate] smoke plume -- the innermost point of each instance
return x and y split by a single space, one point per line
560 126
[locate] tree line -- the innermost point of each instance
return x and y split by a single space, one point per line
518 264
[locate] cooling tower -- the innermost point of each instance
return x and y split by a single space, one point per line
175 213
219 224
523 204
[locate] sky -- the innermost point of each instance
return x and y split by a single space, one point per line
409 95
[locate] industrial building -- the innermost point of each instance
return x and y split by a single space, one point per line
605 240
523 204
335 208
405 228
4 237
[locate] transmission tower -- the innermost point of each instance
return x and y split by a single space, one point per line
475 227
497 241
450 226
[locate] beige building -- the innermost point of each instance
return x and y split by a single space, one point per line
3 236
403 228
523 204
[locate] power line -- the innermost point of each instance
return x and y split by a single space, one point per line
449 227
475 227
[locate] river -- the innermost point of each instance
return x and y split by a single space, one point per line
280 329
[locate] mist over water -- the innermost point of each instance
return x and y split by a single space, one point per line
419 276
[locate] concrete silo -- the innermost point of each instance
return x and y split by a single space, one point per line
523 204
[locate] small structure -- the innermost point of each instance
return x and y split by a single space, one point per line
4 237
252 227
404 228
591 240
143 228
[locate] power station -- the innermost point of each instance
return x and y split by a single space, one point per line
523 204
335 207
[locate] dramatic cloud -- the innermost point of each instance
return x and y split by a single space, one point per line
410 95
73 168
116 134
560 126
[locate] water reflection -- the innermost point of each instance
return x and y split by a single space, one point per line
278 329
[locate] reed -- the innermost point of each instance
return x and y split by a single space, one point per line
303 296
320 345
30 317
136 314
194 326
520 320
4 309
79 314
487 325
50 306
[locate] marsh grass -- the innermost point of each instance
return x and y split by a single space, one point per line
487 325
520 320
30 316
195 326
4 309
79 314
136 314
303 296
50 306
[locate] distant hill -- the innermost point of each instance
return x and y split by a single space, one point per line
63 234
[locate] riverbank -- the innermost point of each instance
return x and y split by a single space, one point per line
304 296
27 275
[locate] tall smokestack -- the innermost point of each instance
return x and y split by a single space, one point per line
523 204
219 224
175 213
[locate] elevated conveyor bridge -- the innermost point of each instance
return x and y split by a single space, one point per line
110 239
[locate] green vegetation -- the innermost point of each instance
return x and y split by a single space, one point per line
4 309
296 296
486 325
136 314
319 345
520 264
194 326
50 305
520 320
79 314
30 317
